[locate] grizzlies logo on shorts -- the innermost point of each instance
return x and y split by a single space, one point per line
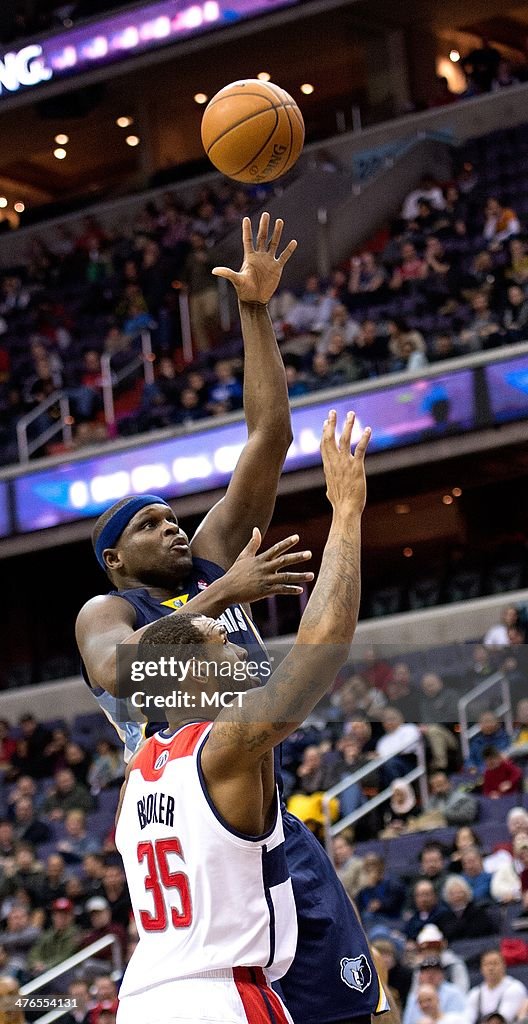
356 972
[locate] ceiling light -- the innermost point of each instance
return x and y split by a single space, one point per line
3 202
124 122
60 154
402 509
457 491
307 89
447 499
408 552
454 55
62 140
200 97
133 140
20 207
264 76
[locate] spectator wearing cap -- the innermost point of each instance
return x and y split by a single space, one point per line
498 992
101 924
431 942
58 942
427 908
431 973
463 919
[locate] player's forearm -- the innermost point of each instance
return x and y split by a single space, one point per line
332 611
266 403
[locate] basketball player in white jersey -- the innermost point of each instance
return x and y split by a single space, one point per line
198 825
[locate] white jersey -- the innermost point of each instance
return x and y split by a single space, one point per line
204 896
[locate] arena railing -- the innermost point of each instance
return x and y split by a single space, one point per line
418 774
46 979
26 448
467 731
110 379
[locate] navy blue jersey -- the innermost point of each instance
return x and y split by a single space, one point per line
332 977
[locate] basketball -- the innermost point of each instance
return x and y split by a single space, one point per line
253 131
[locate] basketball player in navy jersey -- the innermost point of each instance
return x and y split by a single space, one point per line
155 572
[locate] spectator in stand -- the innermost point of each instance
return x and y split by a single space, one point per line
67 795
519 747
366 275
24 786
411 268
398 735
400 692
474 874
203 294
497 992
515 316
483 331
497 636
382 897
442 94
492 733
106 770
296 383
19 934
345 368
55 751
516 271
77 843
399 975
7 842
430 1006
348 865
401 810
37 738
504 76
101 924
406 347
500 223
320 375
79 993
432 866
355 694
454 214
342 323
480 67
431 942
116 892
371 348
311 771
27 825
58 942
27 872
436 711
54 881
464 919
226 391
501 775
427 189
359 728
457 806
93 869
10 990
482 666
159 400
431 974
7 744
78 760
313 311
426 906
190 408
521 853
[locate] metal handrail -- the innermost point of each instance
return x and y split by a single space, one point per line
420 773
505 708
67 965
109 379
64 424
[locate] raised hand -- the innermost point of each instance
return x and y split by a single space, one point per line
261 270
346 487
253 576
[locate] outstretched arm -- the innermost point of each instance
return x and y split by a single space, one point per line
242 736
250 497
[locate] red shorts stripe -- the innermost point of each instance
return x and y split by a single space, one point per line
261 1004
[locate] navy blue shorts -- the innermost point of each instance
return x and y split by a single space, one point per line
320 987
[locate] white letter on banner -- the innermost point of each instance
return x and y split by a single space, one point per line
30 66
146 478
196 468
110 487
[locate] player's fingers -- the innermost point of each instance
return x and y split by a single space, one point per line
276 236
262 236
281 588
295 577
329 428
247 236
346 436
362 444
230 275
281 546
288 251
283 561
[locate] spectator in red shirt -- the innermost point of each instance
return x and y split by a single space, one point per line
501 775
7 745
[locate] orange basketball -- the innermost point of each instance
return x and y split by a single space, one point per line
253 131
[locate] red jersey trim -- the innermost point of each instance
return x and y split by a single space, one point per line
153 758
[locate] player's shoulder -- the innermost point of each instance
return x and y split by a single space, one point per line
105 608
